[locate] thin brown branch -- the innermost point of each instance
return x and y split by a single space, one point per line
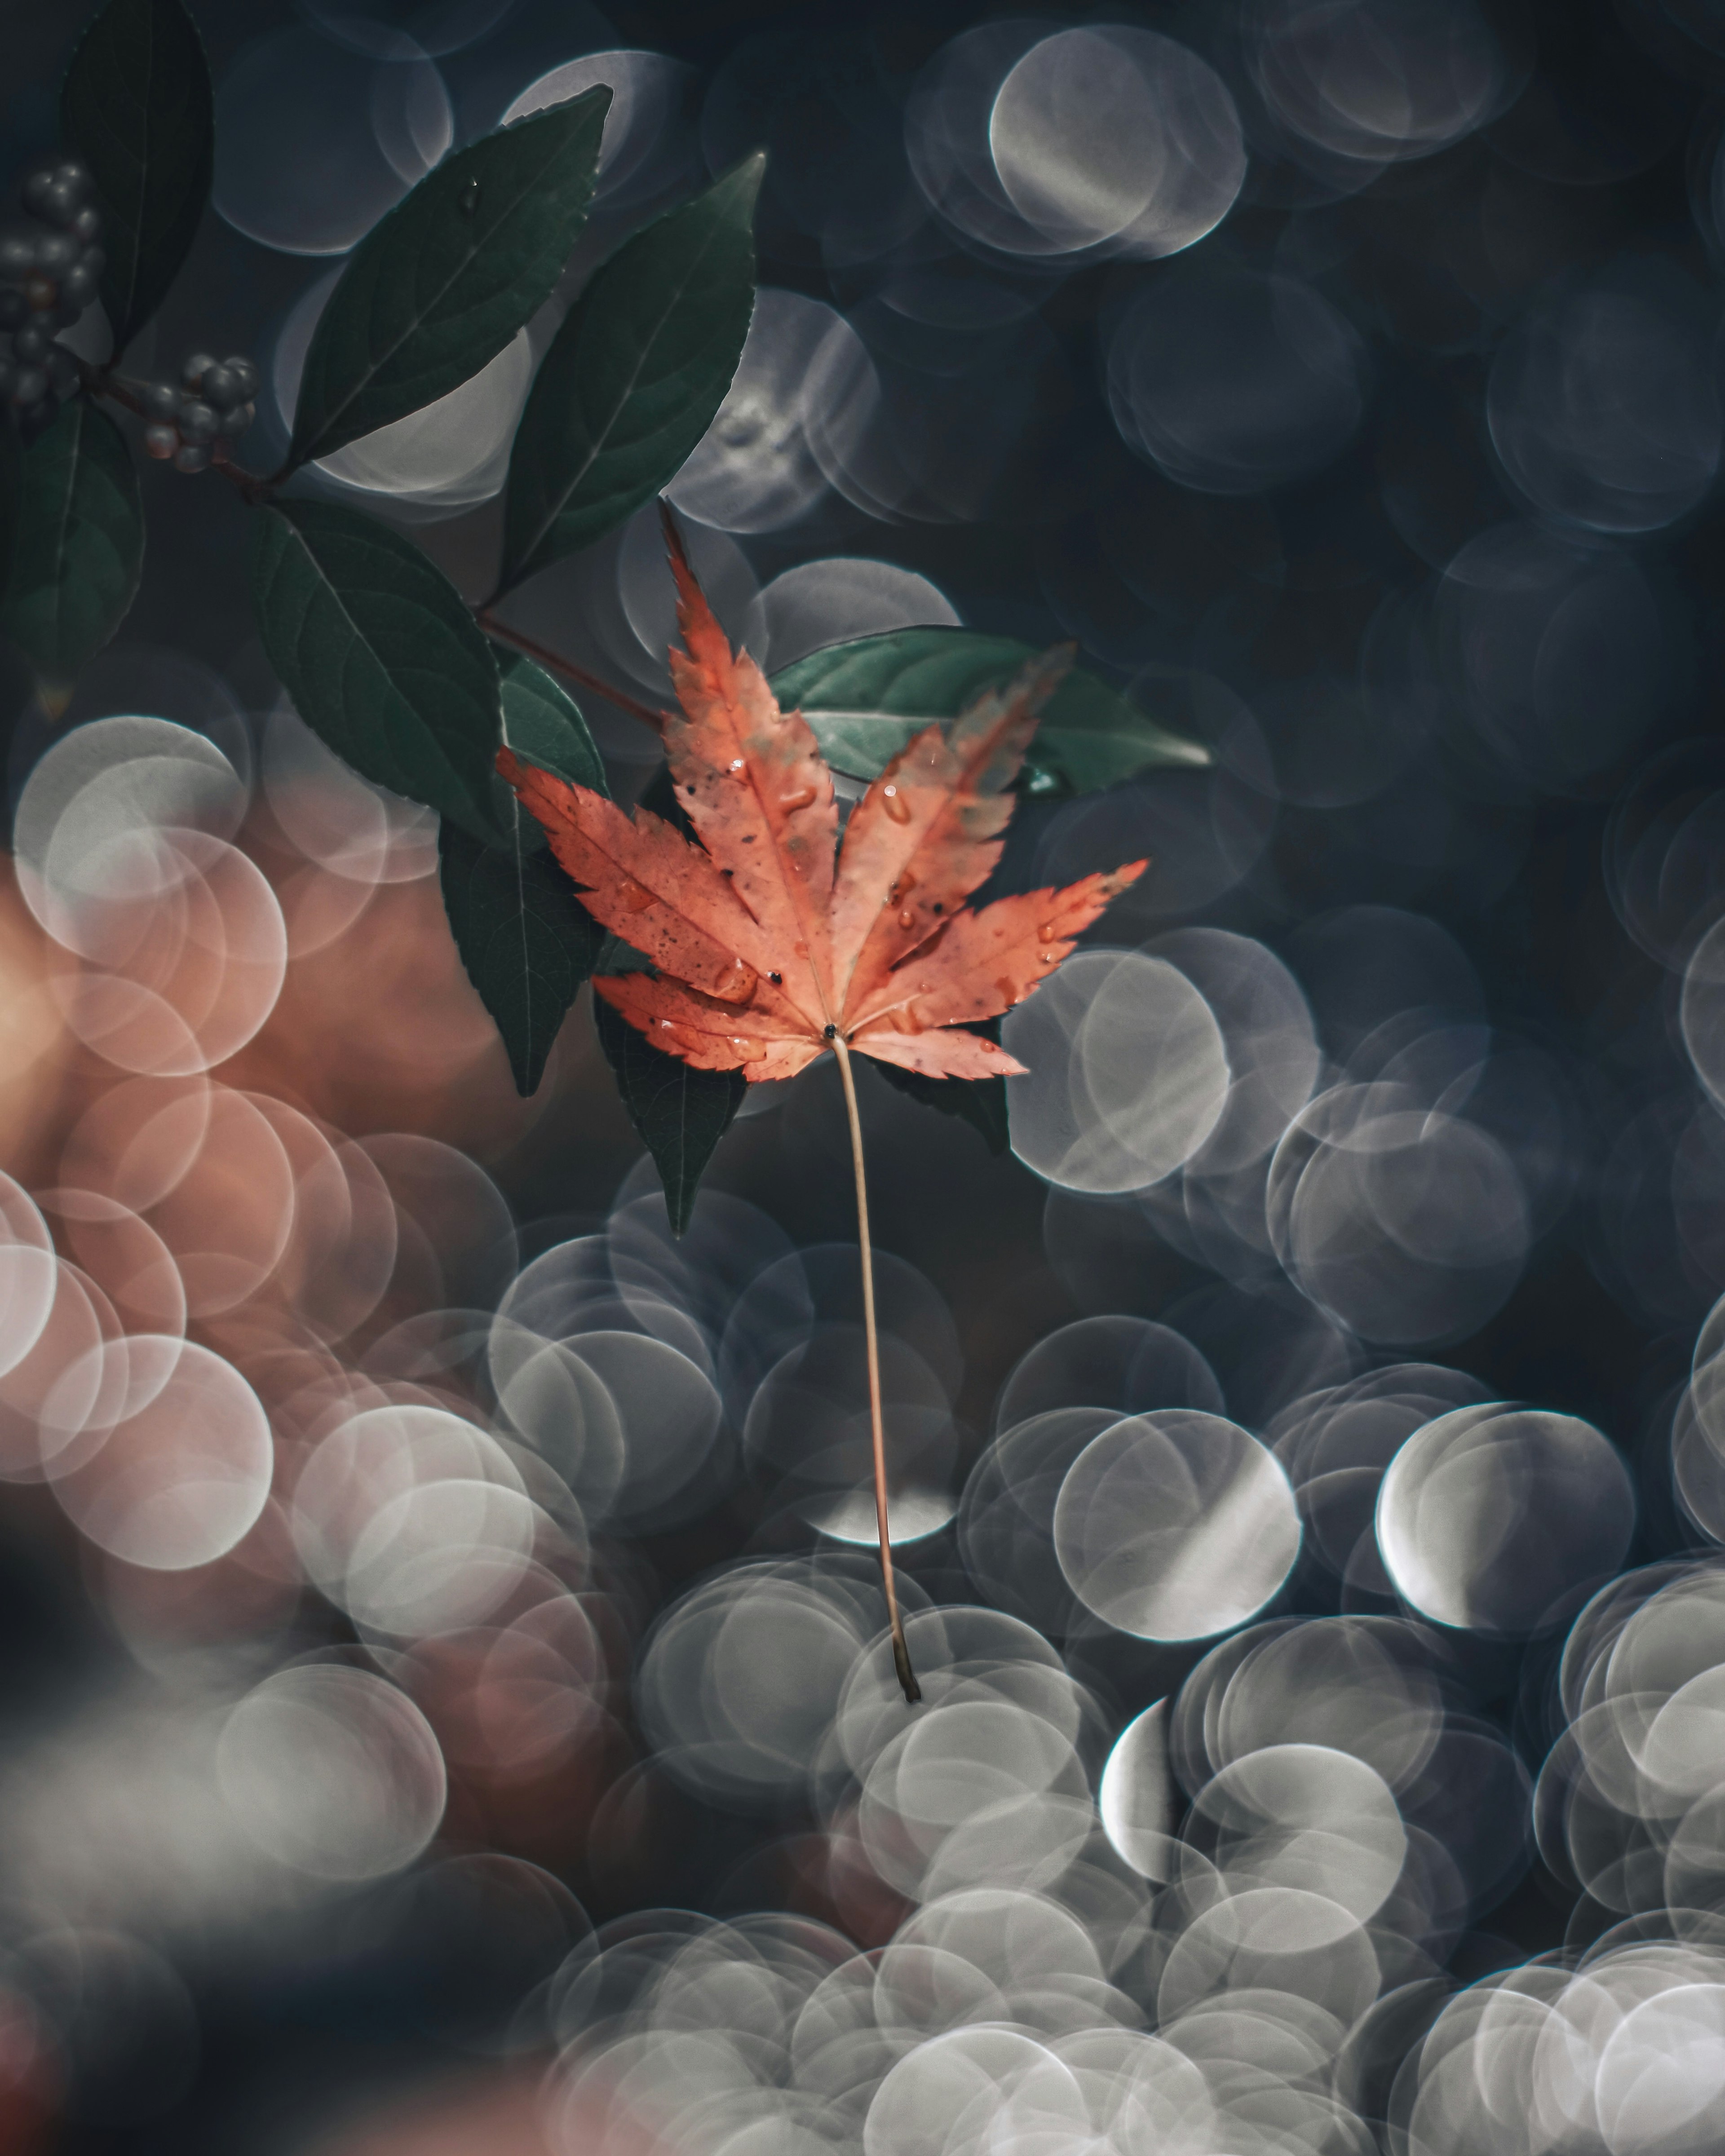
98 381
556 663
251 486
900 1652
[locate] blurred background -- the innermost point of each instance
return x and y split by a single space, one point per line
442 1698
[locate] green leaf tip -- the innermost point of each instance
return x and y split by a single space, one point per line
524 938
439 285
634 375
679 1113
866 697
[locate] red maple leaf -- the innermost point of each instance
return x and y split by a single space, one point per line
772 942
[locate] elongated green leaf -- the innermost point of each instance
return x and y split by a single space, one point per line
78 552
543 722
865 700
981 1102
634 376
680 1114
437 289
381 658
525 938
137 105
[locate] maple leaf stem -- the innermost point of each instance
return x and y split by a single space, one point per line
900 1652
555 661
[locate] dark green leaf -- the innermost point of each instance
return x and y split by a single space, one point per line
980 1102
865 699
634 376
381 658
544 723
526 941
680 1114
79 544
525 938
136 105
437 288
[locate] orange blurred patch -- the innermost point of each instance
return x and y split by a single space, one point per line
34 1045
381 1029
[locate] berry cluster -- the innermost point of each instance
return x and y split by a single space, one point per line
50 265
210 404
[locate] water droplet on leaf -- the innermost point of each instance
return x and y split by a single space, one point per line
470 199
636 896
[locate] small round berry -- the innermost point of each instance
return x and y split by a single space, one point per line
30 386
56 251
18 256
50 199
42 294
30 344
86 228
74 174
191 456
78 287
220 387
192 373
234 423
245 372
161 442
198 422
161 400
